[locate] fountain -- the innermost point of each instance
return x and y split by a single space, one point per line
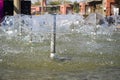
91 44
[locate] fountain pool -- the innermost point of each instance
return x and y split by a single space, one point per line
94 48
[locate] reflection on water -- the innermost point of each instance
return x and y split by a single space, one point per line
92 44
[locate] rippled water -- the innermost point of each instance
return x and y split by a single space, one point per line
93 48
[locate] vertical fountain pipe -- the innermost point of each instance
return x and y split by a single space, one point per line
53 38
17 10
17 7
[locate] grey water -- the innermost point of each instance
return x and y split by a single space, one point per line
92 43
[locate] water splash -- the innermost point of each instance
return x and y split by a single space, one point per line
38 29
